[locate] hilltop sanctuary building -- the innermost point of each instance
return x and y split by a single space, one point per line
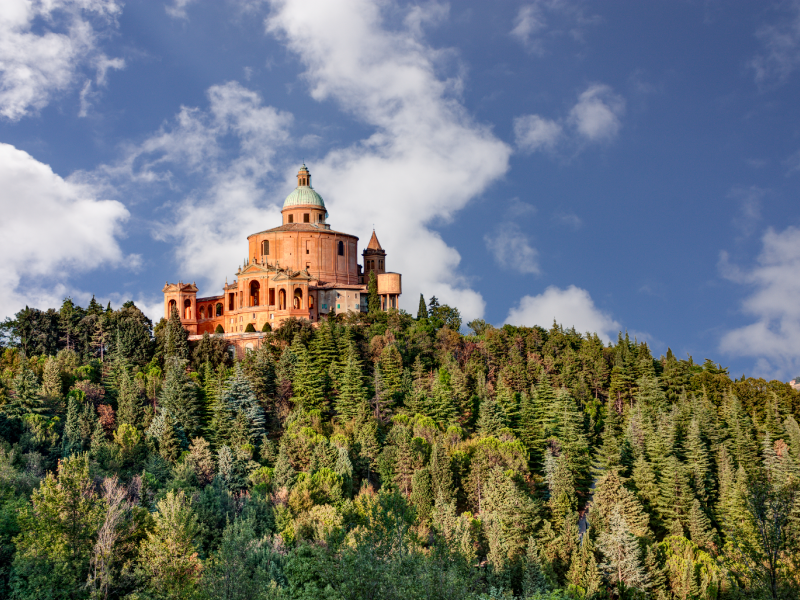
302 269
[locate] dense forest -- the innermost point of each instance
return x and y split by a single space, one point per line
385 456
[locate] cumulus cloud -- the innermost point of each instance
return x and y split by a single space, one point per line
532 132
570 307
229 179
773 339
426 157
44 47
597 114
50 227
780 54
595 118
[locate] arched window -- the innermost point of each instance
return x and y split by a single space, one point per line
255 289
282 300
172 306
187 309
311 302
265 248
219 309
297 302
202 312
341 248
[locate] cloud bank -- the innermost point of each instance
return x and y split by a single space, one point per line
570 307
773 339
50 226
44 47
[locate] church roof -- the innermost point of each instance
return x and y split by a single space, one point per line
304 194
315 227
374 244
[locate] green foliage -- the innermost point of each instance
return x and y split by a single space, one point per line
379 456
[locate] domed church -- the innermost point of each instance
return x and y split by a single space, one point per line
301 269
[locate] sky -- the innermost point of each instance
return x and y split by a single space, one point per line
615 166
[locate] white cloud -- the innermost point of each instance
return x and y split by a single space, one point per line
541 20
426 157
511 249
595 118
43 46
570 307
532 132
780 56
50 228
749 200
227 181
774 338
597 114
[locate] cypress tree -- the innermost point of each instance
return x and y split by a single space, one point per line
422 311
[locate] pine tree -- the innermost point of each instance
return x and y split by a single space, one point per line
168 442
507 398
491 418
51 379
698 464
260 372
422 493
544 400
674 497
584 574
622 555
129 402
534 581
71 440
240 397
381 402
307 386
442 407
351 393
644 479
176 342
700 530
284 474
441 474
563 500
422 311
26 398
612 498
391 364
179 397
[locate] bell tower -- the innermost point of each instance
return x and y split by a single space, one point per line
374 257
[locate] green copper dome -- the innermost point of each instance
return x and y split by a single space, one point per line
303 194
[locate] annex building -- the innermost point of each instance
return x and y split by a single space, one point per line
301 269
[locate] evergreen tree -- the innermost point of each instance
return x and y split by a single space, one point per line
491 417
442 407
169 442
240 397
381 402
391 365
176 339
700 530
698 464
441 474
307 386
351 393
51 379
129 401
422 311
534 581
179 397
584 576
26 398
622 562
71 440
422 496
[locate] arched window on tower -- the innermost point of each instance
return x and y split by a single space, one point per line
341 248
265 248
219 309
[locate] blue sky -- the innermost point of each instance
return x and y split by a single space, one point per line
615 165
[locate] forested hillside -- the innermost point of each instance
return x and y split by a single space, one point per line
383 456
